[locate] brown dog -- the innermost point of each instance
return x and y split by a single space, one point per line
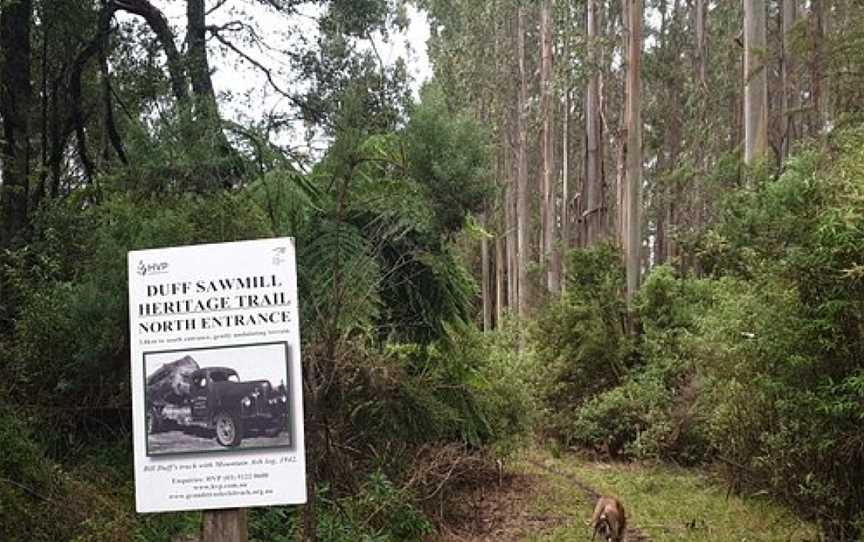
609 519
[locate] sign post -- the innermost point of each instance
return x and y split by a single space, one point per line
216 391
224 526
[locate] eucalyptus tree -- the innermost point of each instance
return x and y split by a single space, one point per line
631 208
523 220
790 99
549 214
593 211
755 82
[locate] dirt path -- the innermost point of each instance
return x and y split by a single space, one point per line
633 532
514 510
505 512
548 497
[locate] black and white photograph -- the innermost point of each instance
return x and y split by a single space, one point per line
218 399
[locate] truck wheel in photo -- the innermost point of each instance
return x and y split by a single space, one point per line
228 429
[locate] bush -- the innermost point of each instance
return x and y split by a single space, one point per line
579 341
767 383
41 502
780 350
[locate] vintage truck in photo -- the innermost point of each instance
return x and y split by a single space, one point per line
182 395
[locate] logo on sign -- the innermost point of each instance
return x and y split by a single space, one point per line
152 268
277 257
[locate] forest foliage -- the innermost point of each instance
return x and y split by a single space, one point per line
467 259
756 365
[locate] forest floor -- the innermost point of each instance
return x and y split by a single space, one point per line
550 498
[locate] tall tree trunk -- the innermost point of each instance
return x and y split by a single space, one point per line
825 117
702 140
661 198
109 126
633 185
622 140
511 227
700 42
566 230
198 61
565 189
789 94
499 280
45 102
205 104
551 257
755 82
16 92
675 193
157 22
592 191
523 219
485 282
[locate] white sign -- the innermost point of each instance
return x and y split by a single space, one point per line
217 410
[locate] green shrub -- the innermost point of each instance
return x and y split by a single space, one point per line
506 387
579 341
767 385
41 502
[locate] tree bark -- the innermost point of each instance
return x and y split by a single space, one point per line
755 82
16 92
157 22
510 213
523 220
205 105
198 61
700 42
485 283
702 140
565 189
633 186
592 189
621 139
77 117
551 257
789 94
499 280
224 526
109 126
825 72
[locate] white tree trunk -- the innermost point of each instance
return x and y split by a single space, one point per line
499 280
547 108
565 190
633 184
592 189
485 282
523 220
755 82
789 95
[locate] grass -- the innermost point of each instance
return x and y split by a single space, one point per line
665 503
